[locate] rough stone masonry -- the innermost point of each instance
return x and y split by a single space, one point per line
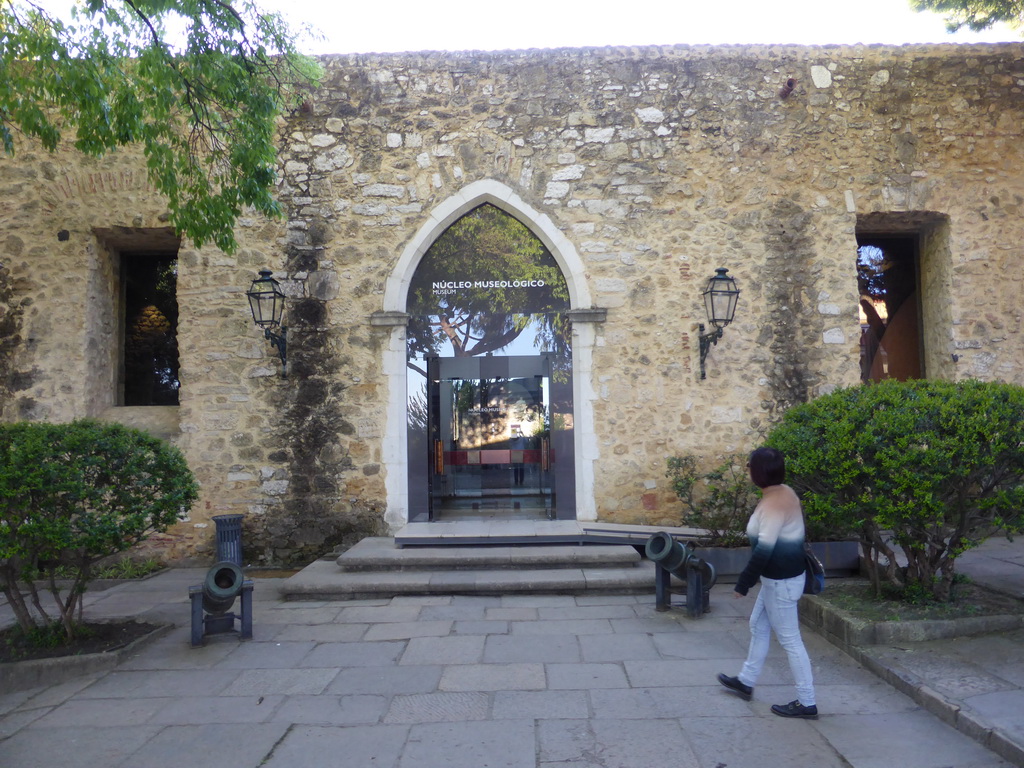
644 168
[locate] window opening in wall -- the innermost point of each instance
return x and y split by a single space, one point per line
890 310
150 364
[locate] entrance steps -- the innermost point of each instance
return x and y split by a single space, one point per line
533 532
468 563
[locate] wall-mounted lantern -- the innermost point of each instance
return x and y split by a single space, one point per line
267 304
720 297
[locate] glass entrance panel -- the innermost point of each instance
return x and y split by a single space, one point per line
490 423
489 375
491 436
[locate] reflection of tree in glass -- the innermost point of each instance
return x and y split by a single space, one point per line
872 265
417 413
474 316
467 394
548 421
524 411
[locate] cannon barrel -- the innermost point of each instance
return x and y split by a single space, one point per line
675 558
222 585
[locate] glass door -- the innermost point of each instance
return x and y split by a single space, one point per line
490 428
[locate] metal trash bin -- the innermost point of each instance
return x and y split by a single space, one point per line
229 538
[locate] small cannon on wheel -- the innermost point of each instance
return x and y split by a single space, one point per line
224 583
676 559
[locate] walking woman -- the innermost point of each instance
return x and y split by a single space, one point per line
776 532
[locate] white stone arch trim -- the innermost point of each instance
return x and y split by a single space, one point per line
396 290
458 205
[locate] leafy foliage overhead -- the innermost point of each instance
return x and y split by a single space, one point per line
203 111
974 14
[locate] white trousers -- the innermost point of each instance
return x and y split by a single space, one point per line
775 609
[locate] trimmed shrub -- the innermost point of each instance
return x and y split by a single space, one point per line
928 468
74 494
719 500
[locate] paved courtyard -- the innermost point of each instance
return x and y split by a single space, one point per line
462 682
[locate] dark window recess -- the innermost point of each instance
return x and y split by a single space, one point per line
150 330
890 345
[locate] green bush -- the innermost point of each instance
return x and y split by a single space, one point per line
128 568
719 500
74 494
929 468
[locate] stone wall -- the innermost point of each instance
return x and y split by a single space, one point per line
653 165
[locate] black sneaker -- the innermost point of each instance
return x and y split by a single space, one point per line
795 709
745 692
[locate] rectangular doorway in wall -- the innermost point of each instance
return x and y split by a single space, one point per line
890 307
905 272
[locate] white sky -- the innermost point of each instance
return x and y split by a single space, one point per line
359 26
364 26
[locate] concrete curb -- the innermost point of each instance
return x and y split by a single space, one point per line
855 638
38 673
842 629
952 712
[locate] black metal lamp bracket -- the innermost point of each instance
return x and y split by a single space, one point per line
280 343
706 341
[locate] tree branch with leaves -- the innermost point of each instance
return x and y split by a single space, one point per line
974 14
202 105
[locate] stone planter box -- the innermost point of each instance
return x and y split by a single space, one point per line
840 558
846 631
38 673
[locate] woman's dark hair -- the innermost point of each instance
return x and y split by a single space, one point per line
767 467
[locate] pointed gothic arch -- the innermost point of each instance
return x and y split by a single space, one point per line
461 203
396 291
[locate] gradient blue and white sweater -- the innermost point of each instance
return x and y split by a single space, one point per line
776 533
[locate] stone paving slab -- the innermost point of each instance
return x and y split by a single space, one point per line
509 649
495 744
906 739
76 746
727 741
607 742
998 564
315 745
443 706
341 710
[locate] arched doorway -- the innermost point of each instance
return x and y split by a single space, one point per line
586 320
489 376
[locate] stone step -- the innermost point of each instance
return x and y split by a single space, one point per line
323 580
517 532
381 554
377 568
